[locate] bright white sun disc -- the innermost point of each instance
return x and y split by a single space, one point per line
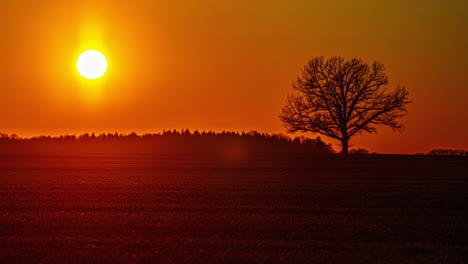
91 64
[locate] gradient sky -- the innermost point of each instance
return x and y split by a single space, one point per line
225 65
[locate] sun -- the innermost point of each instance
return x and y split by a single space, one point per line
91 64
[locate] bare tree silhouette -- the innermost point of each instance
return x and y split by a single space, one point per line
340 98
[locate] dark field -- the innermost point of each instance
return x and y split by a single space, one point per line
267 209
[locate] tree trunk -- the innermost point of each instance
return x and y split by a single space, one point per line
344 146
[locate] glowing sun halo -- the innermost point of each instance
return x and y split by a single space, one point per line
91 64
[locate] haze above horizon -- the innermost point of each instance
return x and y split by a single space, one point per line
212 65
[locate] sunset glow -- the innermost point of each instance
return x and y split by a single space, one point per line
233 131
230 62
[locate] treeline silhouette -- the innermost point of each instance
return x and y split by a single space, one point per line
167 141
448 152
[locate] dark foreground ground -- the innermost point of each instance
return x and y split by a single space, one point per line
186 209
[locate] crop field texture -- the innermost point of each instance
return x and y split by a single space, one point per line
249 209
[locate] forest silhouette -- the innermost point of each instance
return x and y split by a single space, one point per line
168 141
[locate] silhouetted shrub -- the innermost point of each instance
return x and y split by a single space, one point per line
359 151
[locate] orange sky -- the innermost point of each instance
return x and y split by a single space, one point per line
225 65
